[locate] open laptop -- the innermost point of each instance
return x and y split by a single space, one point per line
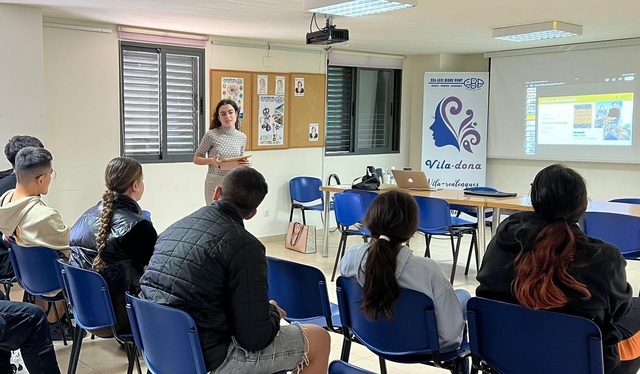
412 180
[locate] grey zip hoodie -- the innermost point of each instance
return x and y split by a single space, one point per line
32 223
419 274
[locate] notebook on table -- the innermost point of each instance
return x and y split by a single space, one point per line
412 180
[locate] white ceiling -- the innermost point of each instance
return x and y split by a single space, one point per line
455 26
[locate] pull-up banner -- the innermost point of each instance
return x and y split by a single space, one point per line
454 129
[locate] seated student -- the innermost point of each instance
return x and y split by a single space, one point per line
24 326
8 182
210 266
543 260
114 238
23 215
387 264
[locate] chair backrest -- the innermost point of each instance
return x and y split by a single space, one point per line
626 200
621 230
168 337
36 268
349 208
434 213
412 331
299 289
367 197
508 336
341 367
305 189
88 294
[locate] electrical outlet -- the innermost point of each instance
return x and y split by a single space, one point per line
265 213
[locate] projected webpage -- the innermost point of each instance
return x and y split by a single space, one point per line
580 114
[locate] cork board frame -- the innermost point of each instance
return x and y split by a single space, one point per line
307 109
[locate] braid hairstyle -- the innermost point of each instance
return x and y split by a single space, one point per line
559 195
393 214
119 176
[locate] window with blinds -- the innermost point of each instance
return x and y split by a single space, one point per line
363 110
162 90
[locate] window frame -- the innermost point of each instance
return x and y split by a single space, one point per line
201 127
393 126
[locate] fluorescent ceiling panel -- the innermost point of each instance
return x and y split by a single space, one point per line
354 8
537 31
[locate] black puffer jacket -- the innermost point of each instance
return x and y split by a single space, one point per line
598 265
208 265
128 248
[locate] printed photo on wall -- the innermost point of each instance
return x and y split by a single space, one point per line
271 120
313 132
233 89
299 91
263 81
279 85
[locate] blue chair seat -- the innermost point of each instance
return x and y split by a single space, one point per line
349 210
320 320
621 230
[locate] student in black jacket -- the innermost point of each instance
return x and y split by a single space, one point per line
543 260
210 266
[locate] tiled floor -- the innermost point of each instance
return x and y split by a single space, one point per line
104 355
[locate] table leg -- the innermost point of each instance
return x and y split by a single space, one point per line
325 233
481 231
495 221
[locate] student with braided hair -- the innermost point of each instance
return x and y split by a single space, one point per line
113 238
387 264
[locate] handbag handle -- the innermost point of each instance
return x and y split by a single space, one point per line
296 233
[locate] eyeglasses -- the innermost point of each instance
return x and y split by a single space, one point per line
53 174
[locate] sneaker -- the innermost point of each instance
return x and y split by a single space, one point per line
17 364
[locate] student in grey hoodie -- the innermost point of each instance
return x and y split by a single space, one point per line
387 264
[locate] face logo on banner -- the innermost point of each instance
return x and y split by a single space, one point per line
446 130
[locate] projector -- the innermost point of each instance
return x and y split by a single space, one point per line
328 35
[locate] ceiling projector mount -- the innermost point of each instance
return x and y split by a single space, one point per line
328 35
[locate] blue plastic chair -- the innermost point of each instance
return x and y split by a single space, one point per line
301 290
435 219
410 337
341 367
38 273
367 197
621 230
92 309
626 200
168 337
349 210
509 338
304 191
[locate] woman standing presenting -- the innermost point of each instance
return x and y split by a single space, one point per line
223 140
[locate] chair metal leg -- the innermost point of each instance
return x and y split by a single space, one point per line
473 247
427 242
291 213
346 349
74 357
304 220
130 349
341 245
383 365
55 311
455 256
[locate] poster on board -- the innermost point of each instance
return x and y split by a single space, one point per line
263 84
233 89
454 129
270 120
280 85
299 83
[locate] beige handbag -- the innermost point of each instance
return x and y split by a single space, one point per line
301 238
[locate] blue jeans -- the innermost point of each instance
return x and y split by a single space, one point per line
24 326
463 298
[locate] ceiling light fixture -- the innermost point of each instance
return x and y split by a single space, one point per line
354 8
537 31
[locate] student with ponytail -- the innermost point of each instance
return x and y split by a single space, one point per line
387 264
543 260
114 239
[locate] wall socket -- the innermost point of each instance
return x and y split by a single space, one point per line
265 213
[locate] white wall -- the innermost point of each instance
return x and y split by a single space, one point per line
22 87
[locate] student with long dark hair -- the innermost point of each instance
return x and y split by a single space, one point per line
114 239
387 264
223 140
543 260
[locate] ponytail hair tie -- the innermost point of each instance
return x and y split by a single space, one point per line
384 237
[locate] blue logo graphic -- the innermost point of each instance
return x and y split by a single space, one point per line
446 133
473 83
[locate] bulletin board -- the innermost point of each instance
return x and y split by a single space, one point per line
307 118
271 108
234 85
274 114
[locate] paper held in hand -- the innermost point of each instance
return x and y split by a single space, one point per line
231 159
